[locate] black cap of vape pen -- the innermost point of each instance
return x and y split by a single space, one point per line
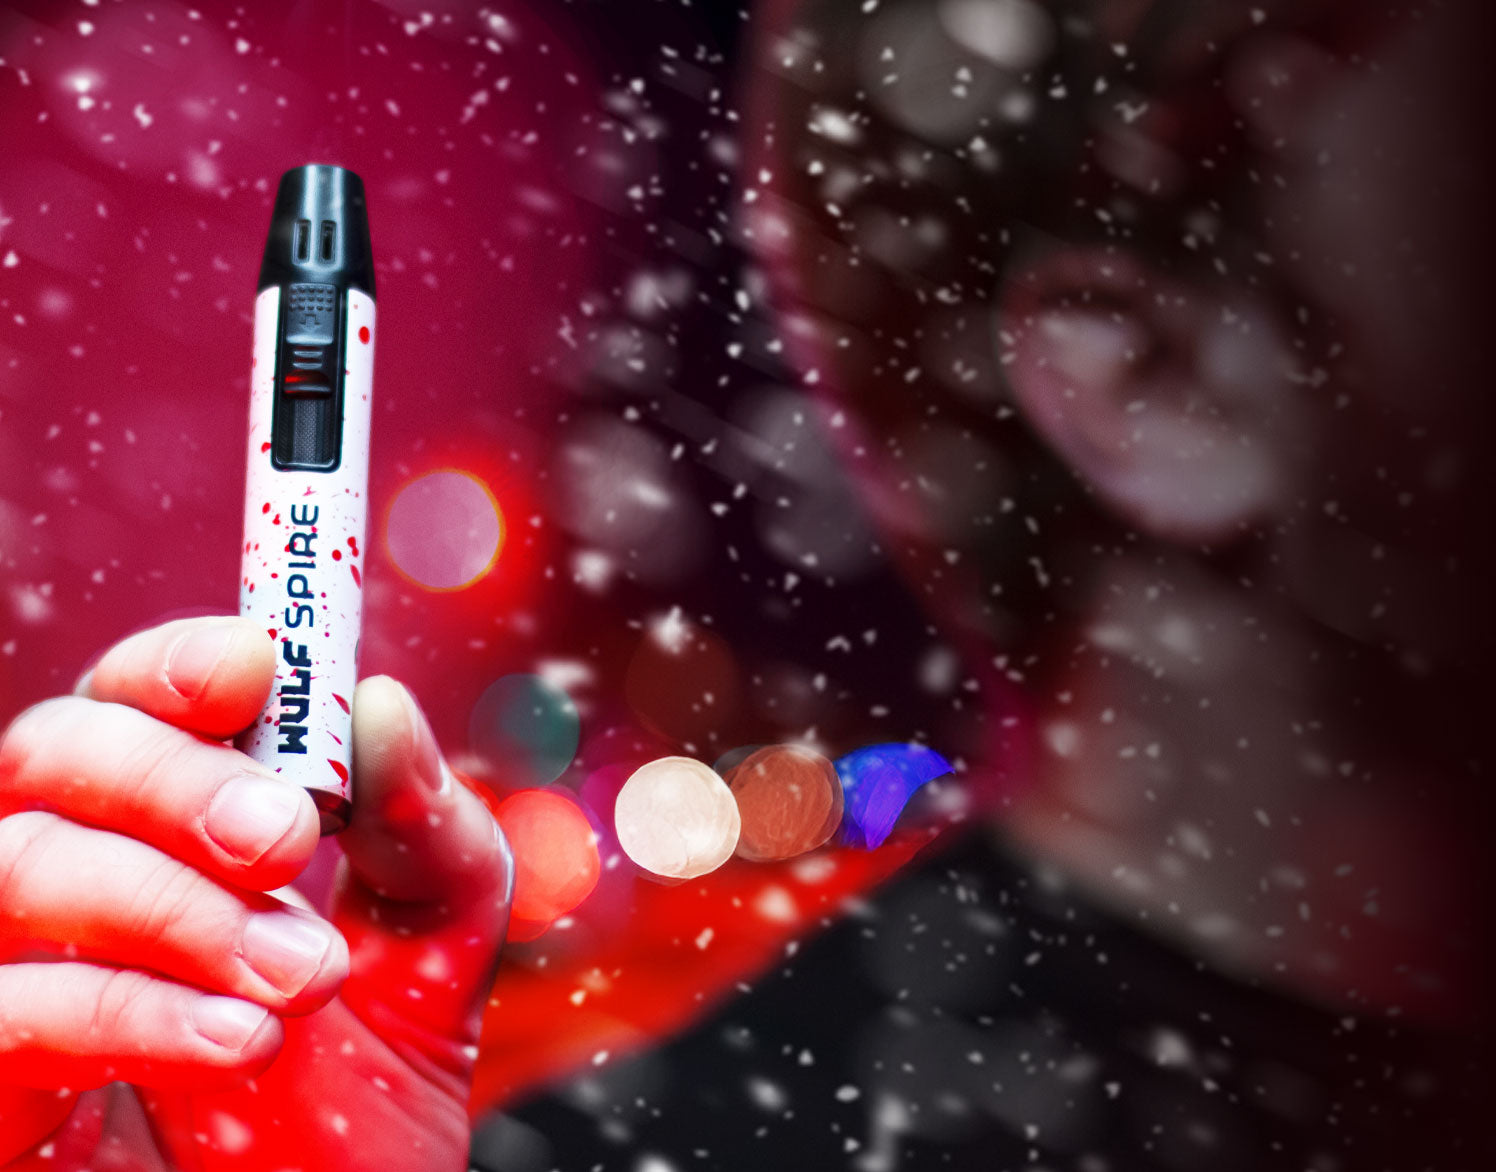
319 230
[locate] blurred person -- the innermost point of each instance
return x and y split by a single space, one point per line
1129 384
1155 339
1151 335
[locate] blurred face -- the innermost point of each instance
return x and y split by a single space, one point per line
1149 324
1377 210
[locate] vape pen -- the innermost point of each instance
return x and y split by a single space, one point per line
306 490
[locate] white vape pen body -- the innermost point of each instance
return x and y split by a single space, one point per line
306 511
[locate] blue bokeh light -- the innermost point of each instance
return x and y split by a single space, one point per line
878 781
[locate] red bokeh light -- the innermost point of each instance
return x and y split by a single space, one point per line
556 862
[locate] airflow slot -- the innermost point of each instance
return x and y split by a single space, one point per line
303 241
328 227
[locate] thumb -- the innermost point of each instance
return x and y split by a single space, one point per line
423 898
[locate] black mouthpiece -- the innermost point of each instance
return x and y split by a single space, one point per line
319 230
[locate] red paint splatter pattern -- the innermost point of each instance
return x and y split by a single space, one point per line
329 633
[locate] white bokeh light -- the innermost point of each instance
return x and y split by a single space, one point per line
444 530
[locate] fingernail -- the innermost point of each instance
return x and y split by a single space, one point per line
227 1021
250 813
428 764
286 949
196 655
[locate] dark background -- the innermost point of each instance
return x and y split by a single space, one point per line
563 286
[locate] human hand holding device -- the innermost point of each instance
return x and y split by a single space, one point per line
143 941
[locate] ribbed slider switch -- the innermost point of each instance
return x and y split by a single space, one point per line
308 406
309 348
317 250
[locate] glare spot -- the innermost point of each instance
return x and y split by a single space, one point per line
776 905
592 570
444 530
835 125
53 303
33 604
1012 33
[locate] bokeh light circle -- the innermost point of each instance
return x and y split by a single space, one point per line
789 799
444 530
683 679
676 818
878 782
525 729
556 862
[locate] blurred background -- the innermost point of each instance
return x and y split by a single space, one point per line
1091 392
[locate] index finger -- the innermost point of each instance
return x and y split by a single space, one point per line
206 675
116 768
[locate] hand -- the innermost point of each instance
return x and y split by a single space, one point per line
141 944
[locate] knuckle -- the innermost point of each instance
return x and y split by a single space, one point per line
24 840
35 728
122 998
165 895
156 758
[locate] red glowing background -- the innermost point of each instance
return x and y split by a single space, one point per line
511 168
